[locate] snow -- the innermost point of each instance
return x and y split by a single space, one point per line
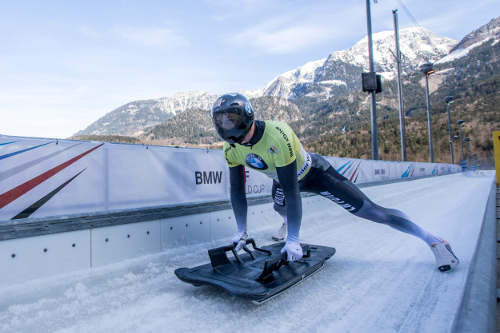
333 82
417 44
380 280
253 93
185 100
302 74
459 53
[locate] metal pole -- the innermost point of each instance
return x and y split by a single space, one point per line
429 125
467 154
461 141
449 130
400 88
373 100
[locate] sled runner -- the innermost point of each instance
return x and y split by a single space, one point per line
258 275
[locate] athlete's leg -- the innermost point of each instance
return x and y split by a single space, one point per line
340 190
397 220
279 206
445 258
279 199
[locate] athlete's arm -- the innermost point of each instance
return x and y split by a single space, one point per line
287 177
238 197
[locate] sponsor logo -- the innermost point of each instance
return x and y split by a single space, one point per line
255 188
255 161
305 166
279 197
290 149
282 133
211 177
226 151
342 204
273 150
409 172
248 109
350 170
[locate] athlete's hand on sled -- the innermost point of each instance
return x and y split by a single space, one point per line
240 240
293 250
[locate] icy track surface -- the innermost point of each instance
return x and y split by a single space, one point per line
380 280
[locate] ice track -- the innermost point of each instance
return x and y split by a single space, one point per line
380 280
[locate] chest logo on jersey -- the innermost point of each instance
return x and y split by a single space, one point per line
273 150
256 162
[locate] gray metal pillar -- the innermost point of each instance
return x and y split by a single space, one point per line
373 100
461 140
400 89
429 122
449 130
468 156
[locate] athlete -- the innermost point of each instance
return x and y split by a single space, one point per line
274 149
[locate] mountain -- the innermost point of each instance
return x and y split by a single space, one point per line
473 81
132 118
340 125
194 126
341 71
333 76
473 40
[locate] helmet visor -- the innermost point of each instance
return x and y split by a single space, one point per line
228 120
230 124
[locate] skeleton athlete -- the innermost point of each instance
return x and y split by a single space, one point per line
274 149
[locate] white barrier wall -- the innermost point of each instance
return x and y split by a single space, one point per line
49 178
24 259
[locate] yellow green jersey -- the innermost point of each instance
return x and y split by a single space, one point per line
278 147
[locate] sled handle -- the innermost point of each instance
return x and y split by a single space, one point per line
218 255
275 263
272 265
245 248
251 241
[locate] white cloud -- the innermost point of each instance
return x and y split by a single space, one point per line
149 36
288 28
282 40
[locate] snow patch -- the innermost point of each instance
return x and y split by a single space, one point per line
333 82
459 53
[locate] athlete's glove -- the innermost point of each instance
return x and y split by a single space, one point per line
240 240
293 250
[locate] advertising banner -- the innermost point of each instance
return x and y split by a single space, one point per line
54 178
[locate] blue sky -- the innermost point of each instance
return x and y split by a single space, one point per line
64 64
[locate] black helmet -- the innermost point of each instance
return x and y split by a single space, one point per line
232 116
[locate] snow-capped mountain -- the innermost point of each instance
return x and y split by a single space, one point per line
473 40
132 118
336 74
343 68
282 85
